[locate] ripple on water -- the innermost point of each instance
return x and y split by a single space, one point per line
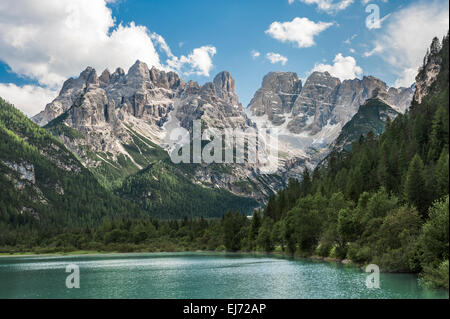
202 275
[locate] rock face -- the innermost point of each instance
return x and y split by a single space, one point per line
313 115
71 90
429 71
216 104
314 105
107 112
276 97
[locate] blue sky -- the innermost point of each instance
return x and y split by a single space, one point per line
225 33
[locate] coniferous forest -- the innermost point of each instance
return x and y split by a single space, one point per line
384 201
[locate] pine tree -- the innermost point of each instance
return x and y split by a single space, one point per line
415 193
441 173
437 136
254 228
306 182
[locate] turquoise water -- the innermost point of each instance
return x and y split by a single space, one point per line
197 275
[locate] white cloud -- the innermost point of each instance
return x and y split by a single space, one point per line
406 77
276 58
406 36
51 41
27 98
377 49
255 54
199 62
349 40
344 68
329 6
300 31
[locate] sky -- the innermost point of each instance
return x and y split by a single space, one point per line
43 43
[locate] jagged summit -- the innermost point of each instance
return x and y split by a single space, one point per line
224 81
123 88
322 100
225 85
311 116
276 96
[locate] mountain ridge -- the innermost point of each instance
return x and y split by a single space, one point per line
119 123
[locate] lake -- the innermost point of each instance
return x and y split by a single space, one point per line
197 275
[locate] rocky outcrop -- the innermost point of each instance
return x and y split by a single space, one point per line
71 90
277 96
215 103
429 71
314 105
225 88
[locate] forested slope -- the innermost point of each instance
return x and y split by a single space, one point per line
383 202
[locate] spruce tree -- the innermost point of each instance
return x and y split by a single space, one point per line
441 174
437 136
254 228
306 182
415 192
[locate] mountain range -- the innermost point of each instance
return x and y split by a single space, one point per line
117 125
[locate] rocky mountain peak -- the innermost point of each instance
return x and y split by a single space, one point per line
429 71
276 96
225 88
322 78
282 82
105 77
87 73
191 88
225 82
118 74
139 72
167 80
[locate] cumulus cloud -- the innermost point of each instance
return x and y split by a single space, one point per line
276 58
50 41
300 31
329 6
199 62
403 42
27 98
344 68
